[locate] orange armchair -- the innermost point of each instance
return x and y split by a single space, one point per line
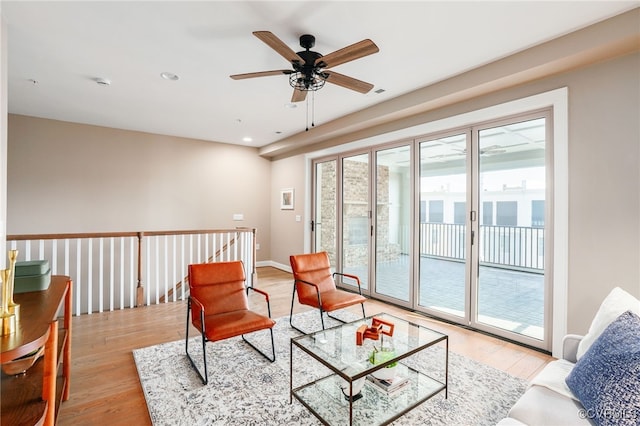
315 285
218 307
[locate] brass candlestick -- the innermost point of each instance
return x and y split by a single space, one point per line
8 319
12 306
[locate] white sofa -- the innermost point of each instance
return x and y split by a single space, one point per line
548 400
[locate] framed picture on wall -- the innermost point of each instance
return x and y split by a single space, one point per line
286 199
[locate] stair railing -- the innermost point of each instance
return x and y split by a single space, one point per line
119 270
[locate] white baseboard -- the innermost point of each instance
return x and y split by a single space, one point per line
281 266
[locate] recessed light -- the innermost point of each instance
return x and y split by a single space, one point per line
103 81
247 139
169 76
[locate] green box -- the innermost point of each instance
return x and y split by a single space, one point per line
31 275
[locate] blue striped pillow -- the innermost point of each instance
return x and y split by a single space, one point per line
606 379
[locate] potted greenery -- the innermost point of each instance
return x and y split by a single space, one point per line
379 356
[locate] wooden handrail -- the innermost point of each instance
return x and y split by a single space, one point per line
69 236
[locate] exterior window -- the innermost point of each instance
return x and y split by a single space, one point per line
487 213
423 211
436 211
537 213
459 213
507 213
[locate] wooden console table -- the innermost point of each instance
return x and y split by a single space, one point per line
34 398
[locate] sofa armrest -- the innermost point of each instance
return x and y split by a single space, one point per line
570 344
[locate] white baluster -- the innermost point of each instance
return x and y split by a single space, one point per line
54 257
132 277
100 274
66 256
78 289
182 266
90 277
166 268
111 273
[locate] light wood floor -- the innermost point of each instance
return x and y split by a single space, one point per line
104 382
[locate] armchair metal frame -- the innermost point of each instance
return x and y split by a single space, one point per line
203 332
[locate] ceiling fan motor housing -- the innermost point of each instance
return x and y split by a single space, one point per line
307 41
308 80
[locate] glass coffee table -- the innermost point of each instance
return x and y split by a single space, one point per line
420 355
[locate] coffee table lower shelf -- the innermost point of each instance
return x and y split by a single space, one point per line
325 399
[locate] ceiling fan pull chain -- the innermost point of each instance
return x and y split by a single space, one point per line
307 114
313 109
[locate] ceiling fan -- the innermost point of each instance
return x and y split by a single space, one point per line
311 69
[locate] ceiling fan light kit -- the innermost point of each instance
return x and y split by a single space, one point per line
308 73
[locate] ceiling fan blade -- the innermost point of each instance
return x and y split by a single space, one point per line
298 95
348 82
355 51
259 74
278 45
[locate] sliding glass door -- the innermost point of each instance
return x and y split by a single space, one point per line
393 199
453 224
356 217
324 223
510 279
442 226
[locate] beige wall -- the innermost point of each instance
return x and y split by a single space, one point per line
604 185
65 177
3 141
604 178
289 237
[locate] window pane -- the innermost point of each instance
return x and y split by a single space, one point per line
436 211
325 209
487 213
442 255
459 212
537 213
510 281
507 213
355 217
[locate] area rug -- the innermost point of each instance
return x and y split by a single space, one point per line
246 389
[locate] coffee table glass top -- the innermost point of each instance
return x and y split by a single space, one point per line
336 347
417 356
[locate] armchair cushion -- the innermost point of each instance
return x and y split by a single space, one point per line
314 268
230 324
333 300
218 286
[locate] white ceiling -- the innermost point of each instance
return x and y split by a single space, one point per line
65 46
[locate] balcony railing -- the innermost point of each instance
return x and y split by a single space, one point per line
123 270
515 247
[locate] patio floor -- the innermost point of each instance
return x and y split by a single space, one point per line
508 299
